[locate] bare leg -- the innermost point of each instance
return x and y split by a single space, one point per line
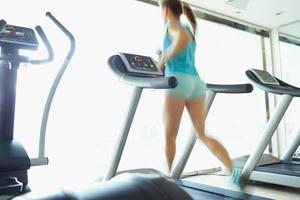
196 109
173 110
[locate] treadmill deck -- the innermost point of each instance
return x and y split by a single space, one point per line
199 191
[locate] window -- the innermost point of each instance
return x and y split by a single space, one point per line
290 57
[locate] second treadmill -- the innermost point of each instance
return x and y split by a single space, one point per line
285 171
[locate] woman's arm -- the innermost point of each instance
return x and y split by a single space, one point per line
180 39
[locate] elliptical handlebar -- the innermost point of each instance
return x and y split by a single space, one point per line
52 91
2 24
42 35
23 59
47 45
66 32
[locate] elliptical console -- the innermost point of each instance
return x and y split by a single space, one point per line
20 37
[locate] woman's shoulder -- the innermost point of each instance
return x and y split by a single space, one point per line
178 26
174 25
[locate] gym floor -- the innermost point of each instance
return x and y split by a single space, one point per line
263 190
41 183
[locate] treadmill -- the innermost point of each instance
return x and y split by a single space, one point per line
141 72
285 171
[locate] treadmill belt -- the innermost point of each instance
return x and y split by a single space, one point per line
205 192
289 168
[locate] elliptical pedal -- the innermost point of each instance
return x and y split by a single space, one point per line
10 186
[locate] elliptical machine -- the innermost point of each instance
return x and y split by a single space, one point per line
14 160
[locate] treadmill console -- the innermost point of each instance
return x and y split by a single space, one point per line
21 37
140 65
264 77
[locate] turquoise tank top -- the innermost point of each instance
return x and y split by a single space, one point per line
185 60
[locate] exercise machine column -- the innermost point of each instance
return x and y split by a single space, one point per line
8 81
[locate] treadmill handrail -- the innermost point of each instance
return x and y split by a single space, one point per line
142 82
281 89
230 89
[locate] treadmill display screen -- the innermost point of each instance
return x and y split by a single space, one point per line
265 77
140 64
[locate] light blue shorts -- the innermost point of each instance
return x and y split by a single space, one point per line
189 86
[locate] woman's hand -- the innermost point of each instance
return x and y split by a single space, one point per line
161 63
